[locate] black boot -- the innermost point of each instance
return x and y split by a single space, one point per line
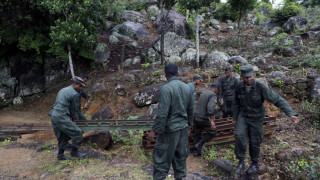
69 146
240 167
76 153
196 153
253 168
61 156
199 145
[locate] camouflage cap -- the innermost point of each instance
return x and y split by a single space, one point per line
78 80
246 70
197 76
215 84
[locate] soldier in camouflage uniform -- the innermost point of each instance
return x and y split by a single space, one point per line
227 85
249 114
175 111
75 107
62 124
204 117
197 80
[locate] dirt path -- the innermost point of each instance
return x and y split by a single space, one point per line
15 116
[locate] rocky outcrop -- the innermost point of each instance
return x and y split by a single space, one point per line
175 22
102 53
237 60
105 113
101 139
174 45
130 15
295 23
315 90
216 60
129 31
147 96
24 77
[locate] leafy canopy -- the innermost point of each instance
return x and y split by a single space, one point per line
76 25
194 4
240 8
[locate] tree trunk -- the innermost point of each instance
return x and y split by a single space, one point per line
70 61
187 14
162 33
197 38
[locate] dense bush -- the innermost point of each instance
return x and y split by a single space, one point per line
288 10
312 109
223 12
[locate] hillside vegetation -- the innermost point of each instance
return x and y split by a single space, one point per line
118 44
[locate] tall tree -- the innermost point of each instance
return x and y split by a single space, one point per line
241 8
75 27
195 5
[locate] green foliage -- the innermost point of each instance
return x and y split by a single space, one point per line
264 5
46 27
310 3
131 144
209 153
281 41
194 4
77 26
223 12
145 66
310 58
132 117
312 109
30 40
156 73
278 82
312 13
5 142
288 10
24 26
48 146
241 8
304 167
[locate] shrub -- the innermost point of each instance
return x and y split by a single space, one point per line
223 12
312 109
281 41
288 10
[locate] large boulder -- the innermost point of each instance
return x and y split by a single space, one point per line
175 22
101 139
189 57
103 114
7 86
129 30
297 40
32 81
102 53
295 23
315 90
276 74
153 11
237 60
216 60
147 96
174 45
55 70
271 28
130 15
313 34
315 28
